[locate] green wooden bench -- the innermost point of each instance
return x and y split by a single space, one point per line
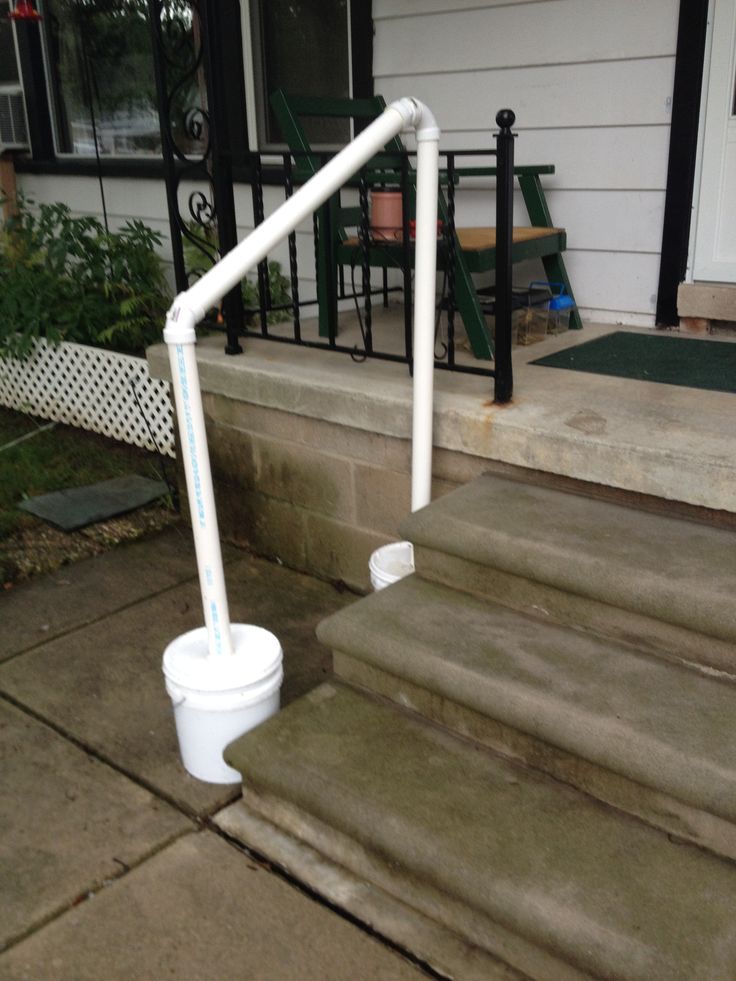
475 248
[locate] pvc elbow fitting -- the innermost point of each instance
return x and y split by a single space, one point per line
417 116
180 322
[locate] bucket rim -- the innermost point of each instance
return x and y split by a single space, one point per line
377 554
256 657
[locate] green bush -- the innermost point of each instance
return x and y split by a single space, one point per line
199 259
66 278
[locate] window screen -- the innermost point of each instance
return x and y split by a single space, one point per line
301 46
101 66
8 62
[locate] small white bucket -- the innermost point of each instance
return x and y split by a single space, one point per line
390 563
217 699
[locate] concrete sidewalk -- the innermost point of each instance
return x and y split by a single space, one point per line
110 864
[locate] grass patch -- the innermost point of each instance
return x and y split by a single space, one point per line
55 459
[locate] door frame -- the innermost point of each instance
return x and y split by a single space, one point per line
704 265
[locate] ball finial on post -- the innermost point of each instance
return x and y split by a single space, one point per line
505 118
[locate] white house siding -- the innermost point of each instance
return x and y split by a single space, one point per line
590 82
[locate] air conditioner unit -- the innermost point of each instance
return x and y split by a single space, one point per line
13 129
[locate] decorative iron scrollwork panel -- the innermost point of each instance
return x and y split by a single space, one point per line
186 132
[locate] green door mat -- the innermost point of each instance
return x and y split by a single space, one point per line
81 506
653 357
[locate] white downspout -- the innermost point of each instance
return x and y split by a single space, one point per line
190 307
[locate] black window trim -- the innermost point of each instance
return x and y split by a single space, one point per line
686 105
45 160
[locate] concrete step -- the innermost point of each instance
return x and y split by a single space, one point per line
665 584
647 735
543 877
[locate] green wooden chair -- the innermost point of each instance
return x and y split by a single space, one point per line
475 248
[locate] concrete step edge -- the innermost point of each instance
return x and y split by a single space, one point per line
276 831
666 568
656 808
665 640
558 685
594 889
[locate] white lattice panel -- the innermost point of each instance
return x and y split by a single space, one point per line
104 392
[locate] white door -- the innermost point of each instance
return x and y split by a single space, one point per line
715 237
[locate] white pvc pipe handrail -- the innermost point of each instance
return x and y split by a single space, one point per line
190 307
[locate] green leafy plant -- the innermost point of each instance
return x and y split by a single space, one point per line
65 278
278 286
198 259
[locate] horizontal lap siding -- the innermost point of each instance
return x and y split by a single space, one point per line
618 221
590 83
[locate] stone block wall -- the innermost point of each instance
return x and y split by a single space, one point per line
315 495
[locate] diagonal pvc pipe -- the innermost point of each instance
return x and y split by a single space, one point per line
190 307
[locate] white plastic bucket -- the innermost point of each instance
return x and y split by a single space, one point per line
390 563
217 699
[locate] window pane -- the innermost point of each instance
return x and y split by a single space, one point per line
304 50
100 53
8 63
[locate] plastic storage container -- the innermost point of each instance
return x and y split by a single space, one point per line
530 313
559 306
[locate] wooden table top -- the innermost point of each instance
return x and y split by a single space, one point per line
478 239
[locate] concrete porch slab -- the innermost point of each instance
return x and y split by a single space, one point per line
202 909
668 441
69 823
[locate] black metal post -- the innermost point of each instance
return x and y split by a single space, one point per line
504 382
258 216
450 240
364 237
293 266
222 171
327 265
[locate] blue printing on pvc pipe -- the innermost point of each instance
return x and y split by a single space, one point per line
216 626
214 611
190 433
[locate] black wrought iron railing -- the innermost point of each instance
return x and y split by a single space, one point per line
348 263
352 265
349 266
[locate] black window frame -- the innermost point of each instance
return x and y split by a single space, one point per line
43 158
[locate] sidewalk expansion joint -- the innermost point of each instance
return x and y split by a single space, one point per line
92 891
95 620
177 805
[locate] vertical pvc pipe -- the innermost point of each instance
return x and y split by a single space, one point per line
188 399
189 307
425 264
